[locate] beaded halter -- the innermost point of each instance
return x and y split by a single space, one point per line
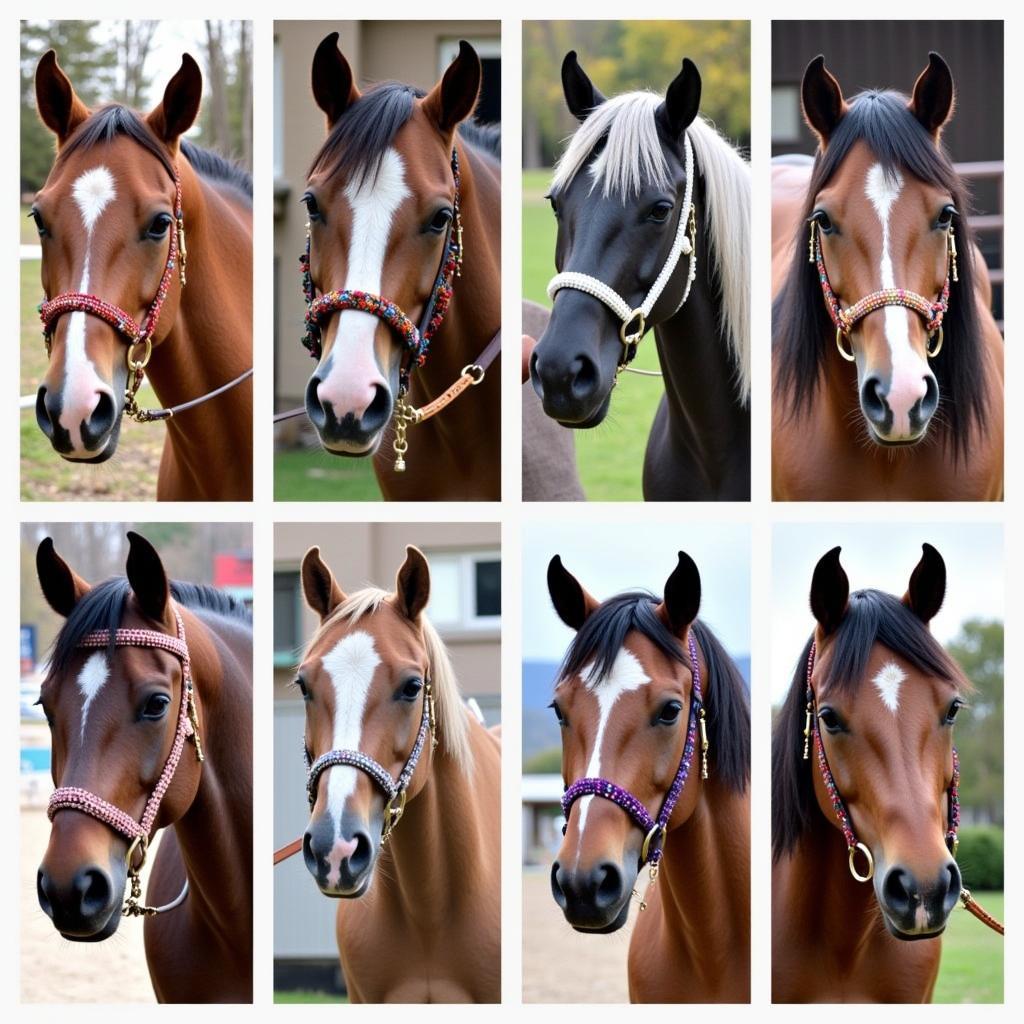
845 320
655 829
138 833
394 790
634 321
842 814
138 336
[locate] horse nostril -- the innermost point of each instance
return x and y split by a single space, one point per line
359 859
930 402
47 412
953 887
314 407
873 400
608 885
900 891
42 884
557 890
584 376
94 891
100 422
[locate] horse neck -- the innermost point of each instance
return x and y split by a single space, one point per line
705 879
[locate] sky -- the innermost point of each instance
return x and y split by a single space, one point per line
881 556
608 559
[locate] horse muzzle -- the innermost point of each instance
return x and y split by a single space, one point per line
85 907
341 860
915 908
594 899
85 430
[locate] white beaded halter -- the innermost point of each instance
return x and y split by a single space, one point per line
634 321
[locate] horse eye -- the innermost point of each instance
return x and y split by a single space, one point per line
558 712
410 690
300 683
440 221
38 219
159 225
156 706
945 219
830 720
670 713
824 221
660 212
312 210
954 710
554 204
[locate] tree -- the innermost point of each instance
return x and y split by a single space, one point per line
135 41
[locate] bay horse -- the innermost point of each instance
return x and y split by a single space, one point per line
404 201
873 701
653 210
149 701
640 677
112 217
887 362
415 865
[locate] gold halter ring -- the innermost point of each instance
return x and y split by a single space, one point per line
847 355
933 352
658 830
633 337
867 856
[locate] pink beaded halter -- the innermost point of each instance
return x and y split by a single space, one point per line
138 833
845 320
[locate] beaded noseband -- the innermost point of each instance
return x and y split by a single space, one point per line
655 830
842 814
845 320
415 339
394 790
634 321
73 798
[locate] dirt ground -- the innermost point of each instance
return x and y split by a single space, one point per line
54 970
563 966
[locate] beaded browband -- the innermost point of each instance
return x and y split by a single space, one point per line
138 833
655 830
395 790
845 320
842 814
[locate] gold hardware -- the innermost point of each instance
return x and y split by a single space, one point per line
193 717
810 244
646 848
392 815
848 356
867 856
405 416
458 236
652 878
952 253
933 352
633 337
702 722
136 375
431 722
133 906
474 371
956 846
807 732
182 250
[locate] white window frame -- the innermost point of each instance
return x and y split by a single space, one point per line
448 49
792 92
466 562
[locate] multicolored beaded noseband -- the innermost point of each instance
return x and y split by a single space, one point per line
845 320
655 829
395 790
415 339
634 321
72 798
842 814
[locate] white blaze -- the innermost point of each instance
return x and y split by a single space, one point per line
95 672
887 681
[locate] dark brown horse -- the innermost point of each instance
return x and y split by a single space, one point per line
419 912
381 201
106 220
900 403
885 695
112 714
623 701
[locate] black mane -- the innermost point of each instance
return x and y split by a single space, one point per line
802 332
107 123
873 617
102 607
600 639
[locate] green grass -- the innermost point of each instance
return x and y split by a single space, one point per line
610 458
972 956
316 476
304 996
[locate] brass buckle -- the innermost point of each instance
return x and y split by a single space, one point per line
646 848
848 356
933 352
392 815
870 862
633 338
140 845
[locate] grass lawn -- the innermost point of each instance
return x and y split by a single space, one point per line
303 996
972 956
610 457
316 476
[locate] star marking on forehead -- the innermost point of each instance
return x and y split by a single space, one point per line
888 681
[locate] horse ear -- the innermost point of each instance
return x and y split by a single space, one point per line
177 111
322 593
822 100
572 603
146 576
412 588
581 95
682 101
61 586
58 104
927 587
830 592
933 99
681 602
454 98
334 85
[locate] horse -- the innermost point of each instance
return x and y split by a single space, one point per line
112 217
415 865
643 182
873 700
148 697
404 200
887 362
638 680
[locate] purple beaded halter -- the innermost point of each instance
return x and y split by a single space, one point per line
655 830
394 790
842 814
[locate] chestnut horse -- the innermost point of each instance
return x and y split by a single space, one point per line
623 700
419 917
640 170
112 710
106 220
888 364
879 694
384 208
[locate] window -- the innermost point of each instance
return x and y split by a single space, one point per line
786 117
287 618
465 590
